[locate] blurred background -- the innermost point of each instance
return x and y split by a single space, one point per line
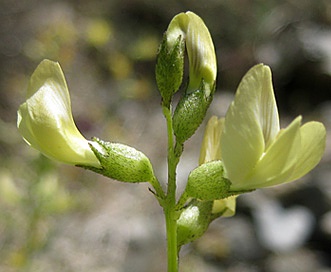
54 217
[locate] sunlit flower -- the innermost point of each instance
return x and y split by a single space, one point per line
200 49
255 151
45 120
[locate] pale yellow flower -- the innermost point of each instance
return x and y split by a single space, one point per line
255 151
45 120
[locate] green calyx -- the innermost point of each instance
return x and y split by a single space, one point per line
169 68
190 113
207 182
121 162
193 221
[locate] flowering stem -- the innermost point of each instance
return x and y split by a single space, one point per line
170 201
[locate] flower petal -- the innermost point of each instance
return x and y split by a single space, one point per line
49 73
211 143
313 141
45 120
267 105
23 125
201 53
278 162
200 49
226 206
250 124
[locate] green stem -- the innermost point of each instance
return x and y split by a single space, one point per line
170 201
171 226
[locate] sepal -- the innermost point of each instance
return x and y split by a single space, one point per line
193 221
121 162
169 68
207 182
190 112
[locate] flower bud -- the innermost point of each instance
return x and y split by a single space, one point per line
200 49
121 162
193 106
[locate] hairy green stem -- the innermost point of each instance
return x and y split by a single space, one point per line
170 201
171 226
